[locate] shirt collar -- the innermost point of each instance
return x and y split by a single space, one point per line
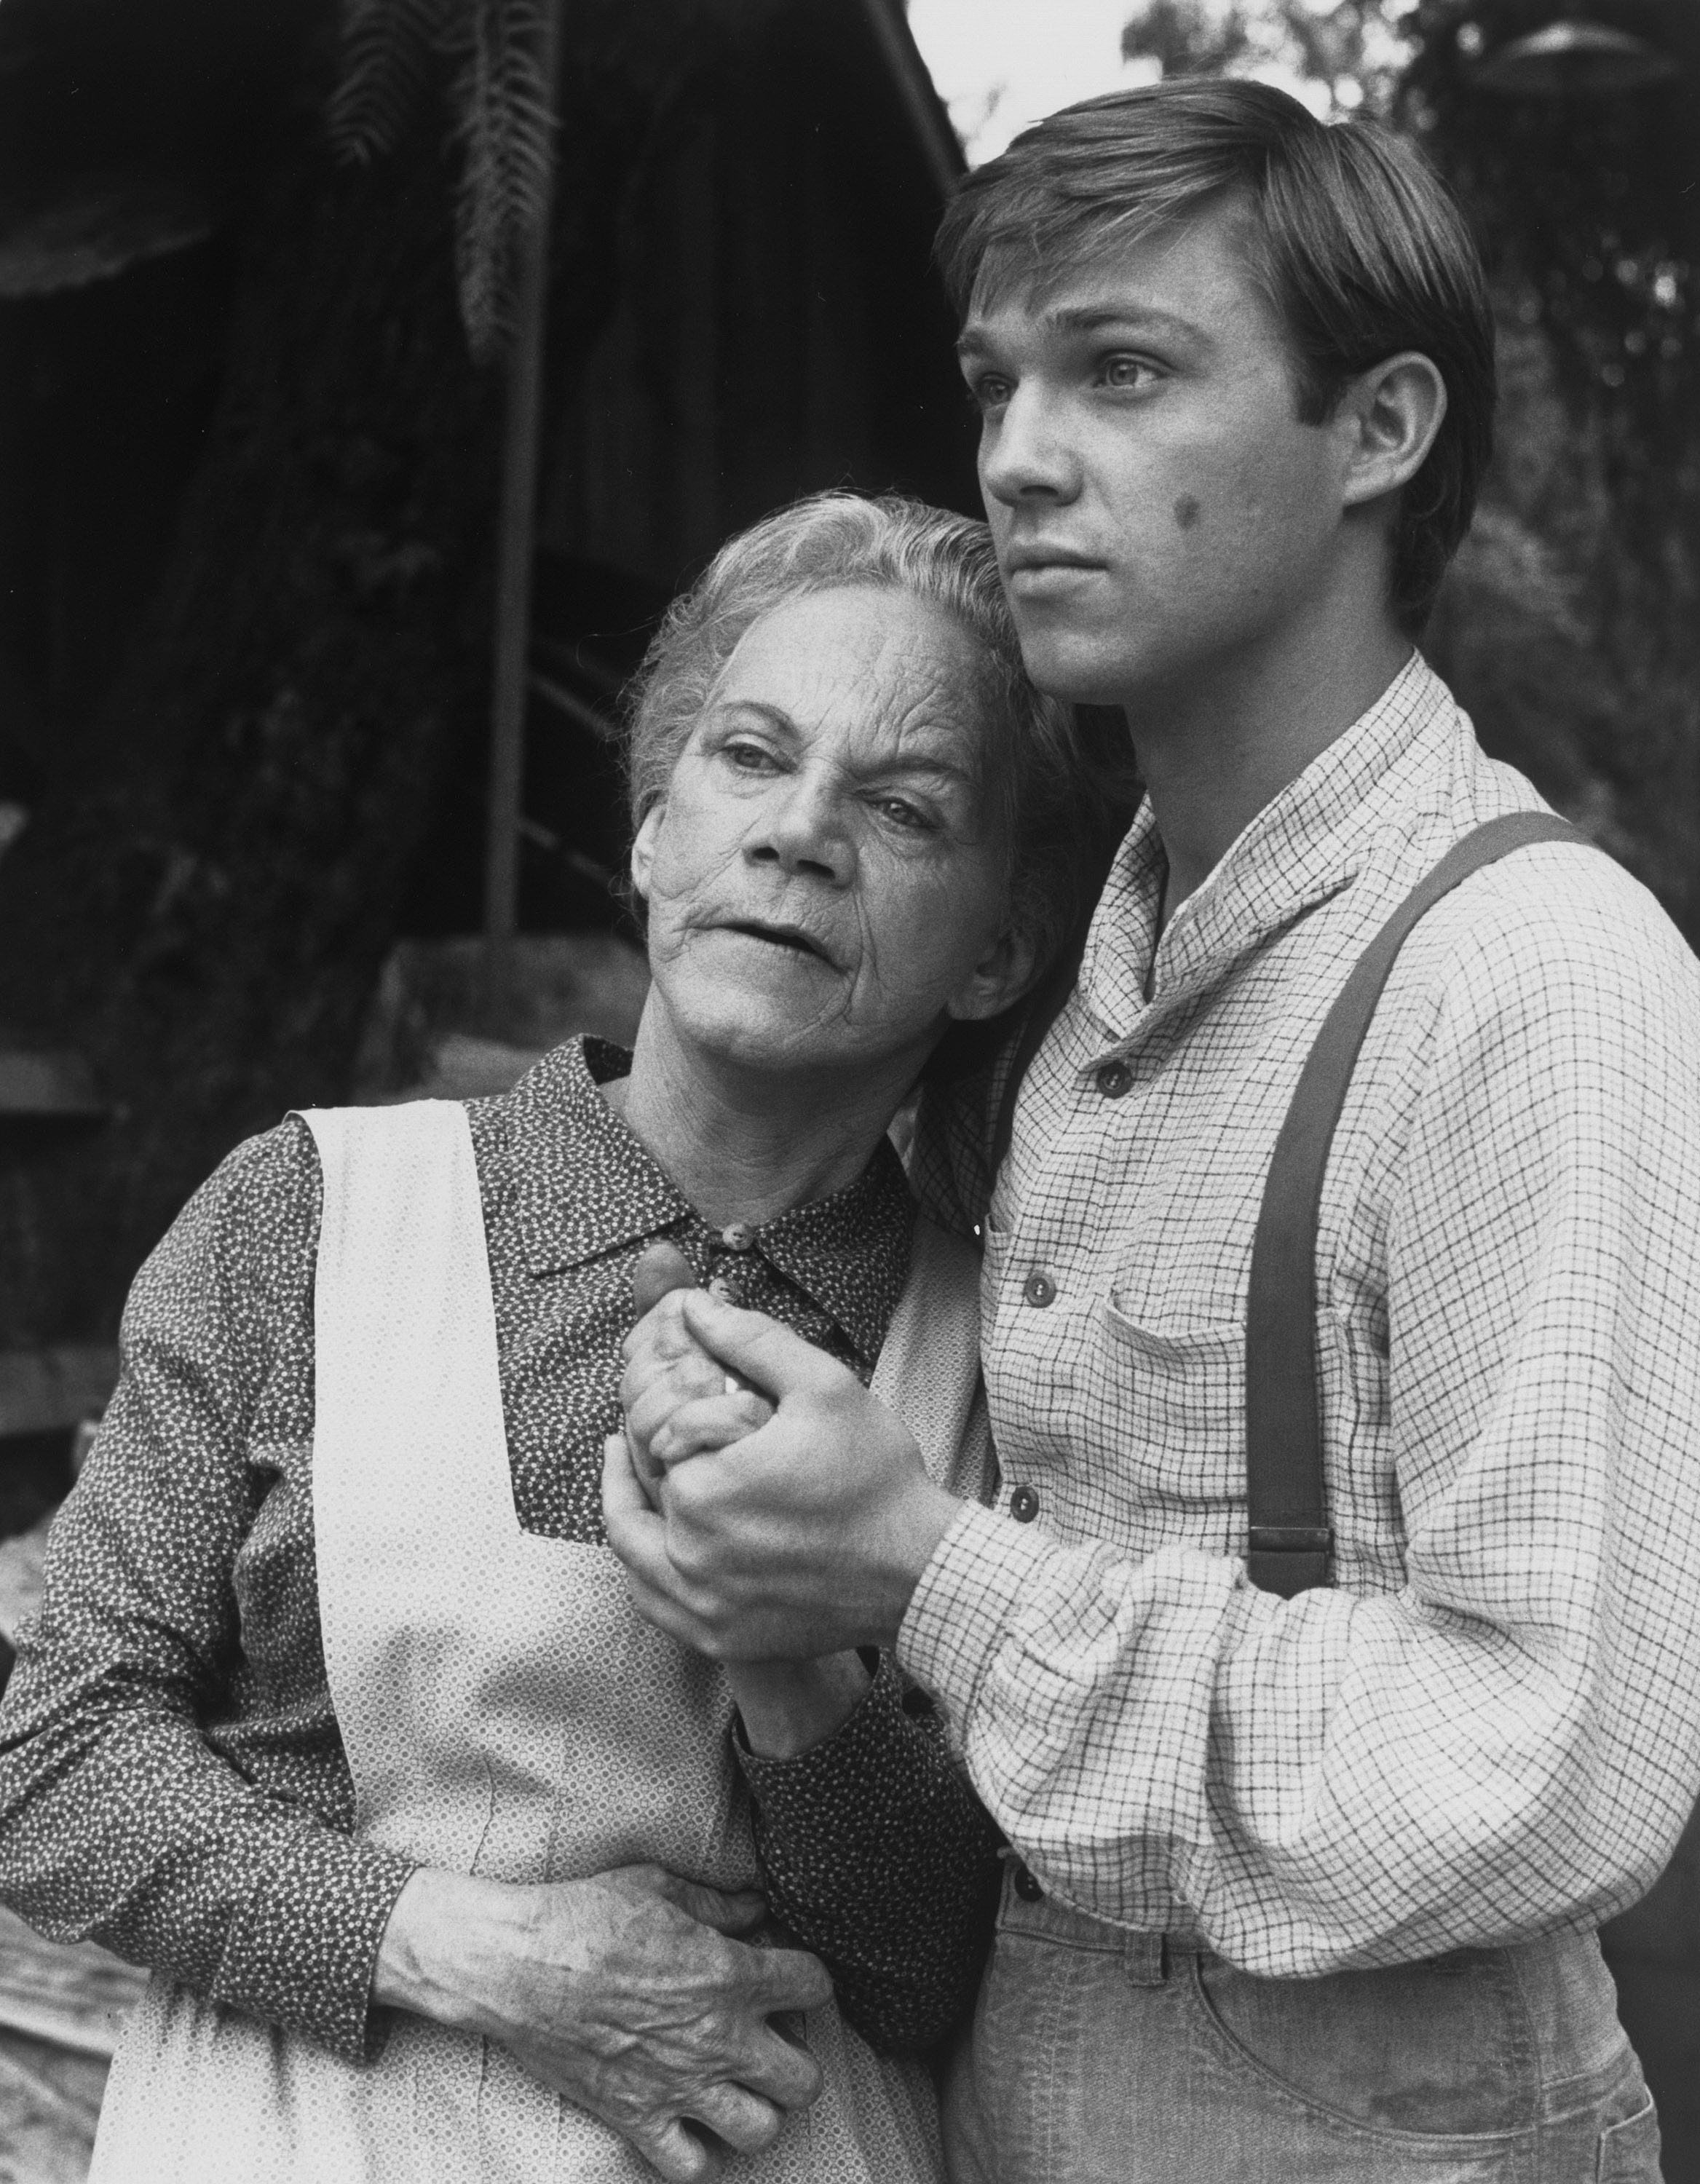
1303 846
580 1183
850 1252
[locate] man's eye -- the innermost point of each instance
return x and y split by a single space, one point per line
990 391
1126 371
902 813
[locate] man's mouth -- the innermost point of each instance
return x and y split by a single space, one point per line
1024 560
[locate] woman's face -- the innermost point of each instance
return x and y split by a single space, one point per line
823 886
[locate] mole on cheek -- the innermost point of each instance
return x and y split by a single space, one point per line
1186 511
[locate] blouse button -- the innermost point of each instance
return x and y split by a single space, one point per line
738 1237
1040 1290
1023 1504
1113 1079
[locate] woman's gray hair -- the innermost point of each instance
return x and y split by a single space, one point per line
1048 797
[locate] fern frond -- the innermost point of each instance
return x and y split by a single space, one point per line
504 122
387 48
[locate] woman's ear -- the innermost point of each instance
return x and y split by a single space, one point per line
643 847
999 979
1391 414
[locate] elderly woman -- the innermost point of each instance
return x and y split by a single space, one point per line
338 1715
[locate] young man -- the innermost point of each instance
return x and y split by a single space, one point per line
1300 1888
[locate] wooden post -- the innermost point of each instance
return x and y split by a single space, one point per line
519 450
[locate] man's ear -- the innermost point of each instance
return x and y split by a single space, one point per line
1003 974
1391 415
643 847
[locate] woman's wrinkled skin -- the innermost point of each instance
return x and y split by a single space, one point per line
822 888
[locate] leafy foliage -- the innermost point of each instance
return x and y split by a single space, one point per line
1337 55
1589 210
501 118
386 50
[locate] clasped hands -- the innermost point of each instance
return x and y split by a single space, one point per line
791 1534
765 1505
771 1530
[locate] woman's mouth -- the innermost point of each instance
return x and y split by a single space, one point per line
791 937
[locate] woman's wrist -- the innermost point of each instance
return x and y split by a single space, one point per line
788 1706
451 1938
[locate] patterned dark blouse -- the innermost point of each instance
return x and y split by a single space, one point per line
172 1780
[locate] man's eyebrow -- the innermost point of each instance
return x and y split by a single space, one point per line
1093 318
975 340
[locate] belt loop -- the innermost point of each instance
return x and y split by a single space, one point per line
1143 1959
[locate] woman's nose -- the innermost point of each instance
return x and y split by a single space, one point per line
1025 455
803 830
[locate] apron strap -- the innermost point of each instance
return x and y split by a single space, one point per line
1290 1541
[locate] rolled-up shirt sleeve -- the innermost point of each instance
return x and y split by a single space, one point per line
127 1812
1506 1741
877 1855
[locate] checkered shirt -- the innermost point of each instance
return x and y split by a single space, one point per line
1490 1727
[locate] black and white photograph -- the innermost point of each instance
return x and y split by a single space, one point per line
850 1092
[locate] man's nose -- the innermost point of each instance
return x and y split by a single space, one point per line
1025 454
804 830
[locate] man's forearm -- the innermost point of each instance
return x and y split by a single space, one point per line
1426 1782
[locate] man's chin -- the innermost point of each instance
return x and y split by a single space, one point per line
1083 670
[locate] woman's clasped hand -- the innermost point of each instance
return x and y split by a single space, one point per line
629 1992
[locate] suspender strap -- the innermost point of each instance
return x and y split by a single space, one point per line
1286 1490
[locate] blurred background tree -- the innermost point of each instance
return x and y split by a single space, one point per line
255 264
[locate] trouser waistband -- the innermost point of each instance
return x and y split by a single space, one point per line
1147 1958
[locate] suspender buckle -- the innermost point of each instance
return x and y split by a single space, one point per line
1292 1539
1288 1558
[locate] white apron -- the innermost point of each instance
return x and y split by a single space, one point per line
503 1712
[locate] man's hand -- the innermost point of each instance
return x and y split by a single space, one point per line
804 1536
624 1992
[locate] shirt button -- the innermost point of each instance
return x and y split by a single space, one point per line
1023 1504
1113 1079
1026 1886
738 1237
1040 1290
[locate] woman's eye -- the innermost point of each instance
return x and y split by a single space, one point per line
990 391
902 813
747 757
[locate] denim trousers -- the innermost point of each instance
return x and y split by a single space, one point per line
1098 2056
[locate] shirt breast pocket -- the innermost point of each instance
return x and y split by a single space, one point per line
1177 1400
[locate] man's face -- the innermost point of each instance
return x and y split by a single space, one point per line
1158 508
